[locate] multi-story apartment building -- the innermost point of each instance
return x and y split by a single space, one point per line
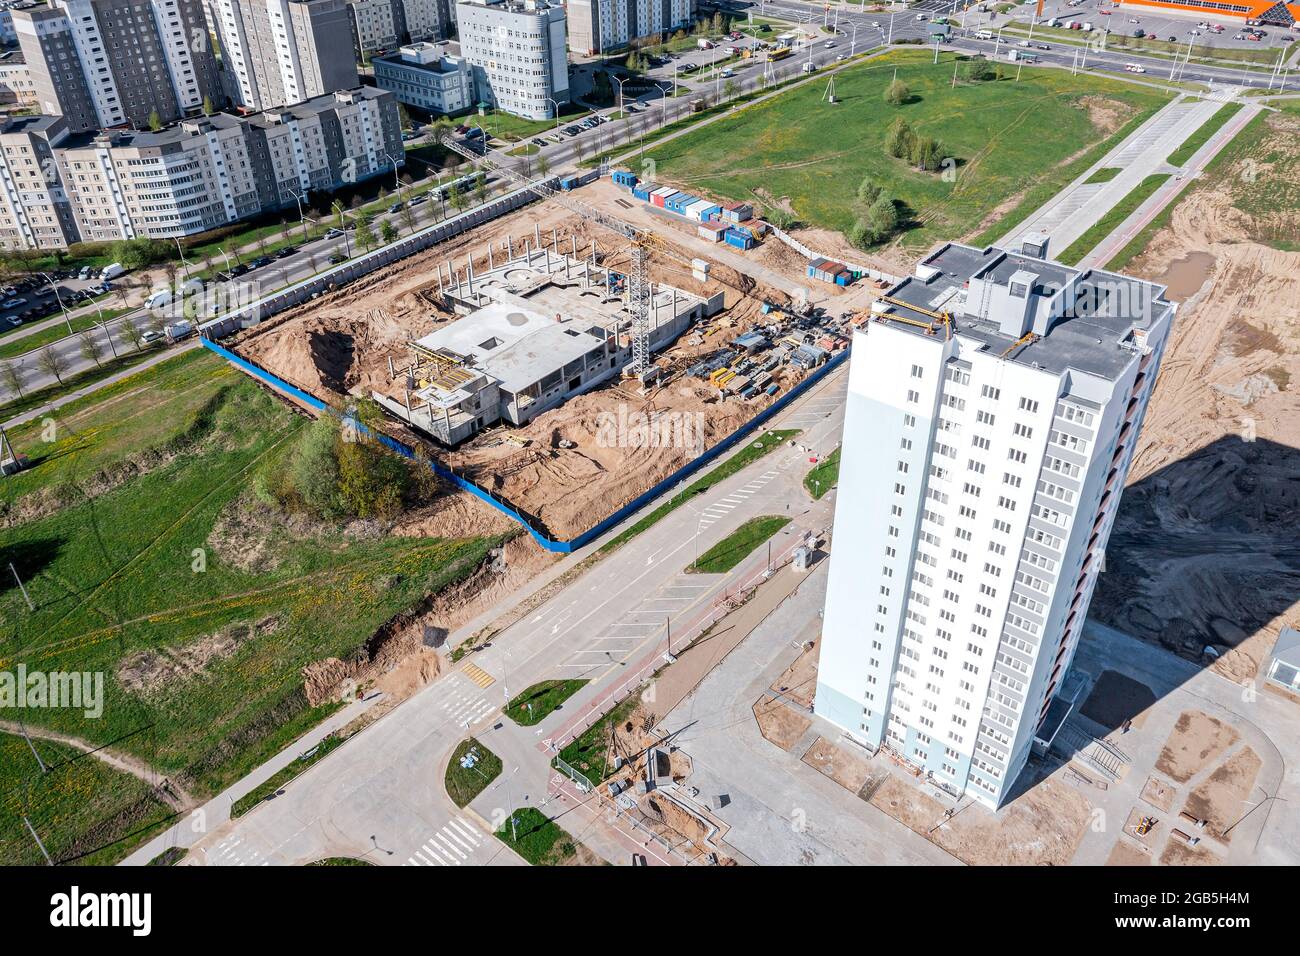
34 209
16 80
384 24
284 51
607 26
430 76
105 63
516 49
994 404
199 174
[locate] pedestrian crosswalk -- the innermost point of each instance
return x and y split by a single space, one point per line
477 674
452 845
729 502
465 706
234 851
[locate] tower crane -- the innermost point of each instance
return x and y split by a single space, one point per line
638 286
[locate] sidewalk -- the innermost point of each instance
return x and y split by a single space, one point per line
199 822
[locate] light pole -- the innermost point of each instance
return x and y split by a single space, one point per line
397 183
59 299
184 265
302 220
556 112
853 43
104 325
620 82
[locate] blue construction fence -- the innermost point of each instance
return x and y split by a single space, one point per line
528 522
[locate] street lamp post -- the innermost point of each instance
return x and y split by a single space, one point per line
397 182
302 220
59 299
556 112
620 82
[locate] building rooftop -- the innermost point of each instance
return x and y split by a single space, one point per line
1028 310
431 57
1287 647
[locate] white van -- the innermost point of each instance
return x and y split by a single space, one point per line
984 35
112 271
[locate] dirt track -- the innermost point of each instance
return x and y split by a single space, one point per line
1204 552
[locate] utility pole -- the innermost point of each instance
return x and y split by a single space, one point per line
32 831
22 587
31 746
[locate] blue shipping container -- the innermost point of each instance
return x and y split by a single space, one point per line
642 194
738 240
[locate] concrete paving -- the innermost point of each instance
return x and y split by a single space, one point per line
780 811
1079 206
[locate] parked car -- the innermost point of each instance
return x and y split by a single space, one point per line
397 207
286 252
337 257
417 200
12 303
153 335
333 234
260 262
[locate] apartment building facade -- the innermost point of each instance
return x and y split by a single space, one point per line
105 63
992 414
35 212
429 76
199 174
608 26
517 52
278 52
385 24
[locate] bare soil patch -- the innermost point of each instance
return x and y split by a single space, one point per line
1159 794
1126 854
1220 799
1196 742
778 723
854 772
1180 854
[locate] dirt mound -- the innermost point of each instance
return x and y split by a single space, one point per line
149 672
1202 554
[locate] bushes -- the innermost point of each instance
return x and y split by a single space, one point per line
878 218
903 142
139 253
897 93
334 472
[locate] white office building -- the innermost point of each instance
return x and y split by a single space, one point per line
429 76
994 404
607 26
516 49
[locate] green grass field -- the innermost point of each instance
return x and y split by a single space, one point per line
738 545
135 568
80 805
532 835
1104 175
1008 138
465 783
822 477
533 704
1187 150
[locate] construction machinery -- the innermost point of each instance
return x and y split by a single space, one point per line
638 284
939 319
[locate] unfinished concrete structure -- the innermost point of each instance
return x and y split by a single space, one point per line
536 329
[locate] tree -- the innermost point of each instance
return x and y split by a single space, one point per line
868 192
898 138
926 153
314 471
131 332
13 377
208 108
979 69
480 188
91 349
408 216
543 165
155 121
52 363
365 235
897 93
730 89
387 232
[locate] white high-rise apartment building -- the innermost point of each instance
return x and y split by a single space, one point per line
606 26
992 413
516 50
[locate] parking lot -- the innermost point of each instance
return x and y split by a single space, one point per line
33 298
1201 28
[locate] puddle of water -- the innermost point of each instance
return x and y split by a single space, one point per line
1185 276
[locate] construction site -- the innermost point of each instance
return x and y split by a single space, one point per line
516 355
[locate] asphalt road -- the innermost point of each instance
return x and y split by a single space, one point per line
382 798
